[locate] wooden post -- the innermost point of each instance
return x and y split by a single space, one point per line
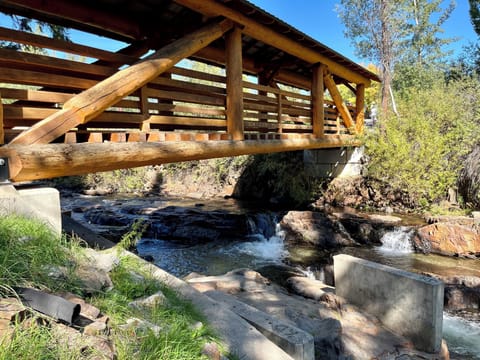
337 99
2 131
234 106
279 113
318 110
93 101
145 125
360 108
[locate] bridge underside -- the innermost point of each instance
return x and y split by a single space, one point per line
192 79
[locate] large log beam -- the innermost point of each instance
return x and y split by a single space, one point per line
360 107
93 101
338 101
53 160
273 38
318 101
234 71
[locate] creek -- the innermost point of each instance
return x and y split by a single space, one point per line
264 245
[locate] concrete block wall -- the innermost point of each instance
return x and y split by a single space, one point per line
335 162
37 203
408 304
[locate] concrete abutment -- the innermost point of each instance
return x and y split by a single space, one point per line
41 203
409 304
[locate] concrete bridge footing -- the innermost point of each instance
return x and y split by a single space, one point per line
41 203
334 162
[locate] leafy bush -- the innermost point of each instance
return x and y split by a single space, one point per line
421 151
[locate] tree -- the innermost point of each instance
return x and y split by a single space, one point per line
475 15
373 28
390 32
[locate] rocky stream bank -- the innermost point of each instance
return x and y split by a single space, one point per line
319 234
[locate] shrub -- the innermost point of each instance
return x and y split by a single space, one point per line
421 151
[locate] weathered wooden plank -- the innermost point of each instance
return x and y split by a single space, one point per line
28 77
187 86
25 112
35 95
194 74
188 109
190 98
38 62
234 68
66 46
337 99
92 102
186 121
51 160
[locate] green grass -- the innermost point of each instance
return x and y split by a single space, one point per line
29 251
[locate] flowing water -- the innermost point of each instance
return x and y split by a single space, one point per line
265 245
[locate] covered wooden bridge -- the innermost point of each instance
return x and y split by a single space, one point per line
72 108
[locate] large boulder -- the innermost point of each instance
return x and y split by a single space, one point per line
448 239
312 228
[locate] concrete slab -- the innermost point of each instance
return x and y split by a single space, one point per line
40 203
297 343
409 304
239 337
335 162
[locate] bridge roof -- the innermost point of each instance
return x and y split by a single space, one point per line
155 23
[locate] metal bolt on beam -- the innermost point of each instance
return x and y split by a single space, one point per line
4 171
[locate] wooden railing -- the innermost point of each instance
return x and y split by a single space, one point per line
181 104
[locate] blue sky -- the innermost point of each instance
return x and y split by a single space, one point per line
318 19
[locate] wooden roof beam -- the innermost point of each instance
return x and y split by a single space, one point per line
76 12
272 38
93 101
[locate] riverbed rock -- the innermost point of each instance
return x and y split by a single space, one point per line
339 332
313 228
448 239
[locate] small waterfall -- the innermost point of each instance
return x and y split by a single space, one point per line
267 238
397 241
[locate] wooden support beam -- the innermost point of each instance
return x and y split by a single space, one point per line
234 71
338 101
90 103
360 108
145 125
44 161
318 101
2 131
271 37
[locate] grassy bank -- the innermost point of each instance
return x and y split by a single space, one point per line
29 256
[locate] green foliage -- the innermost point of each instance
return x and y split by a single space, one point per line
29 251
421 152
475 15
177 339
130 239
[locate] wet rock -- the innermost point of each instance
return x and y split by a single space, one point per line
461 298
314 289
93 282
313 228
448 239
279 274
149 302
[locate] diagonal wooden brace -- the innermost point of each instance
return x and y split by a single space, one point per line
90 103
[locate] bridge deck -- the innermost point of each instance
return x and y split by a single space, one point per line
61 99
